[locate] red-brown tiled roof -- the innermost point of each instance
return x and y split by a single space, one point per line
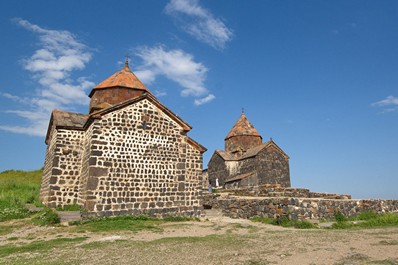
242 127
124 78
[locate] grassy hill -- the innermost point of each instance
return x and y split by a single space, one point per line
19 187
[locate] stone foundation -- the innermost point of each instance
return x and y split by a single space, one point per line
295 208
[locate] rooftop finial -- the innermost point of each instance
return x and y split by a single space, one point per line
243 110
126 63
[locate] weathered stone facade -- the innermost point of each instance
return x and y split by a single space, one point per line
246 161
130 155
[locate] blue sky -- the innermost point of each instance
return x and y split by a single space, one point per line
319 77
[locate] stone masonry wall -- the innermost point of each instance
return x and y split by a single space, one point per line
48 166
65 168
82 197
140 163
273 168
217 170
298 208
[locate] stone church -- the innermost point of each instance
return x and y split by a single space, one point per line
129 155
247 161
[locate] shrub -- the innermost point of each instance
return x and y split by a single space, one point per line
47 217
339 217
304 225
368 215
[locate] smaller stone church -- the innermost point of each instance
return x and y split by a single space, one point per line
247 161
129 155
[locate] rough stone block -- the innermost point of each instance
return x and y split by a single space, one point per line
92 183
98 171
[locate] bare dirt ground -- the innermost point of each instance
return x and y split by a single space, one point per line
216 240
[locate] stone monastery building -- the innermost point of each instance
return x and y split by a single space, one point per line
129 154
247 161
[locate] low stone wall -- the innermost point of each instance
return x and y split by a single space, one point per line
278 191
295 208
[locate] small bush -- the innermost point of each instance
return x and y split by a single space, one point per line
47 217
339 217
368 215
341 225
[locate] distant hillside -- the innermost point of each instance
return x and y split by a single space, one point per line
22 176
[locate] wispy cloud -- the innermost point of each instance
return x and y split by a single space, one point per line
204 100
59 54
389 104
177 66
199 22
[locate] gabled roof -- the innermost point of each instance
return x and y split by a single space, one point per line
242 127
197 145
240 177
79 121
63 119
228 156
69 119
124 78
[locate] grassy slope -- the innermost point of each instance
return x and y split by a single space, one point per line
19 187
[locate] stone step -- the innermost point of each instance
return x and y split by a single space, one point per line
69 216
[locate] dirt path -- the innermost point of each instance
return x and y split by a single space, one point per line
216 240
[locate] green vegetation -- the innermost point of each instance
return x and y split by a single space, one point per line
46 217
69 208
16 189
366 219
37 246
128 223
284 221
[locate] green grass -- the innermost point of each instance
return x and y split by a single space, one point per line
368 219
127 223
46 217
285 222
37 246
16 189
69 208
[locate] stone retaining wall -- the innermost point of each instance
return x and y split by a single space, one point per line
278 191
295 208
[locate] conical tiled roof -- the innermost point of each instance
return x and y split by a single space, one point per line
124 78
242 127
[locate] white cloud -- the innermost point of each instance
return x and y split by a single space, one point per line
199 22
160 93
204 100
59 54
175 65
390 104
